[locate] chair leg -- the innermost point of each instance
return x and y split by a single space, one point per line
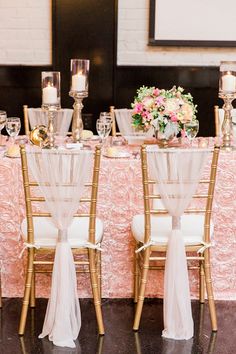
27 292
136 277
94 283
99 273
209 289
142 288
32 292
201 283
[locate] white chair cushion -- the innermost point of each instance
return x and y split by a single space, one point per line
192 227
45 233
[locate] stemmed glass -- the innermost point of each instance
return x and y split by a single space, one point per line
191 130
103 128
3 117
13 125
105 115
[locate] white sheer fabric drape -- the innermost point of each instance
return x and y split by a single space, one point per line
124 122
61 123
61 176
178 172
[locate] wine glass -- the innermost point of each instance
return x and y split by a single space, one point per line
13 125
105 116
191 130
3 117
103 128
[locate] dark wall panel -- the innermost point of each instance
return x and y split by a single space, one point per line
86 30
20 85
201 82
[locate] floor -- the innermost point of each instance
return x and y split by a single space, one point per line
119 337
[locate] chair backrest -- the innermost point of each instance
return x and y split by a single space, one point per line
113 126
36 116
35 202
26 120
219 118
204 193
123 118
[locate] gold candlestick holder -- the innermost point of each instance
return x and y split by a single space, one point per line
78 90
227 126
227 91
51 112
51 99
77 121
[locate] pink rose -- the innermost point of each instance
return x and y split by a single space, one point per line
138 108
144 116
156 92
173 117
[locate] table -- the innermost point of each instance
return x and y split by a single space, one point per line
120 197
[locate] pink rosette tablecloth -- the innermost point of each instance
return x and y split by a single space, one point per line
120 197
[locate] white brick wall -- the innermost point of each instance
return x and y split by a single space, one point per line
133 17
25 32
26 38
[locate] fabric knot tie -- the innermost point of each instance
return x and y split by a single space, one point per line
204 247
145 245
27 245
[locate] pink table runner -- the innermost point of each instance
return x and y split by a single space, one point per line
120 197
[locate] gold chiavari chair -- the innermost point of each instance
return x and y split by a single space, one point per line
27 111
113 126
37 231
26 120
197 228
121 118
217 121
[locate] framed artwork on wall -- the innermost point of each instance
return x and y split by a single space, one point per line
195 23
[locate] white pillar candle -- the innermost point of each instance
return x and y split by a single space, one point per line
78 82
49 95
228 83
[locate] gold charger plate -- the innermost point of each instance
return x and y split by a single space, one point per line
39 135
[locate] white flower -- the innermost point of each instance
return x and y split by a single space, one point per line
186 113
172 104
148 102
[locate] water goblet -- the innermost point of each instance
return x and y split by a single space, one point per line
13 125
3 118
103 128
191 130
105 116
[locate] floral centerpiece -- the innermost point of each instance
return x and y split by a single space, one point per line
166 110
